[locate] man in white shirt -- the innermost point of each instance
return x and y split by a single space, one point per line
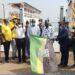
20 42
49 62
33 29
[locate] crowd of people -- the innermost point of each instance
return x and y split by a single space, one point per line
18 35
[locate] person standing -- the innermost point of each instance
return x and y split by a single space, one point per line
0 33
13 42
20 41
33 30
63 39
49 62
0 37
6 34
73 44
27 44
41 26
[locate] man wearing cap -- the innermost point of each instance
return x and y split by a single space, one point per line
12 25
6 39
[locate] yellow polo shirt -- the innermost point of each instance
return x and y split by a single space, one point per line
6 32
11 25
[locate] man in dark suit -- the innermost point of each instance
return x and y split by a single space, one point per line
63 39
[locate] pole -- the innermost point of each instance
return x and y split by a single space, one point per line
22 12
3 11
61 13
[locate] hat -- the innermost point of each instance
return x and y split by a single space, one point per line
33 21
14 17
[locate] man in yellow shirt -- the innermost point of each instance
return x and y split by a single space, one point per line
6 37
12 25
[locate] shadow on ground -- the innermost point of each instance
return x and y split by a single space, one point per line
28 71
22 70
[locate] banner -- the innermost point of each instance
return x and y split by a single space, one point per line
37 52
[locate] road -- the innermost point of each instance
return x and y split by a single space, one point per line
13 68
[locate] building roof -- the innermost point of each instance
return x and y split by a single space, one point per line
24 4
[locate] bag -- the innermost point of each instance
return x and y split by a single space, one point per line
56 46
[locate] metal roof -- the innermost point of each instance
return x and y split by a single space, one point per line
24 4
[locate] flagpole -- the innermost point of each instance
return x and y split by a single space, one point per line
22 12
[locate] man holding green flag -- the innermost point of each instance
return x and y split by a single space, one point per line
42 55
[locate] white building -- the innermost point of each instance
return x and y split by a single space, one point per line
24 11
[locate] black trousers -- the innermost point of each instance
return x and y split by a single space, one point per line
73 47
6 50
27 46
64 48
20 44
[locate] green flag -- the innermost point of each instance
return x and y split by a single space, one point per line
37 51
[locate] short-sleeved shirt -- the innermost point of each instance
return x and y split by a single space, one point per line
47 32
12 25
20 31
6 32
33 30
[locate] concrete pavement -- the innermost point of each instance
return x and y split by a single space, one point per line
24 68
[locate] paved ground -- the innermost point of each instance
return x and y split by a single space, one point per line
13 67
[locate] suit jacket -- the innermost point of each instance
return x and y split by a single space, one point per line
63 34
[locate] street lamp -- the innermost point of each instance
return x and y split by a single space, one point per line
3 11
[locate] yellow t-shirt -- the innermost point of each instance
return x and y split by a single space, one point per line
6 32
11 25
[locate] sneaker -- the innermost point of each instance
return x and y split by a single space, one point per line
19 62
24 61
59 65
16 56
63 66
6 61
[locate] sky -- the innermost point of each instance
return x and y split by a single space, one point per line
50 8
